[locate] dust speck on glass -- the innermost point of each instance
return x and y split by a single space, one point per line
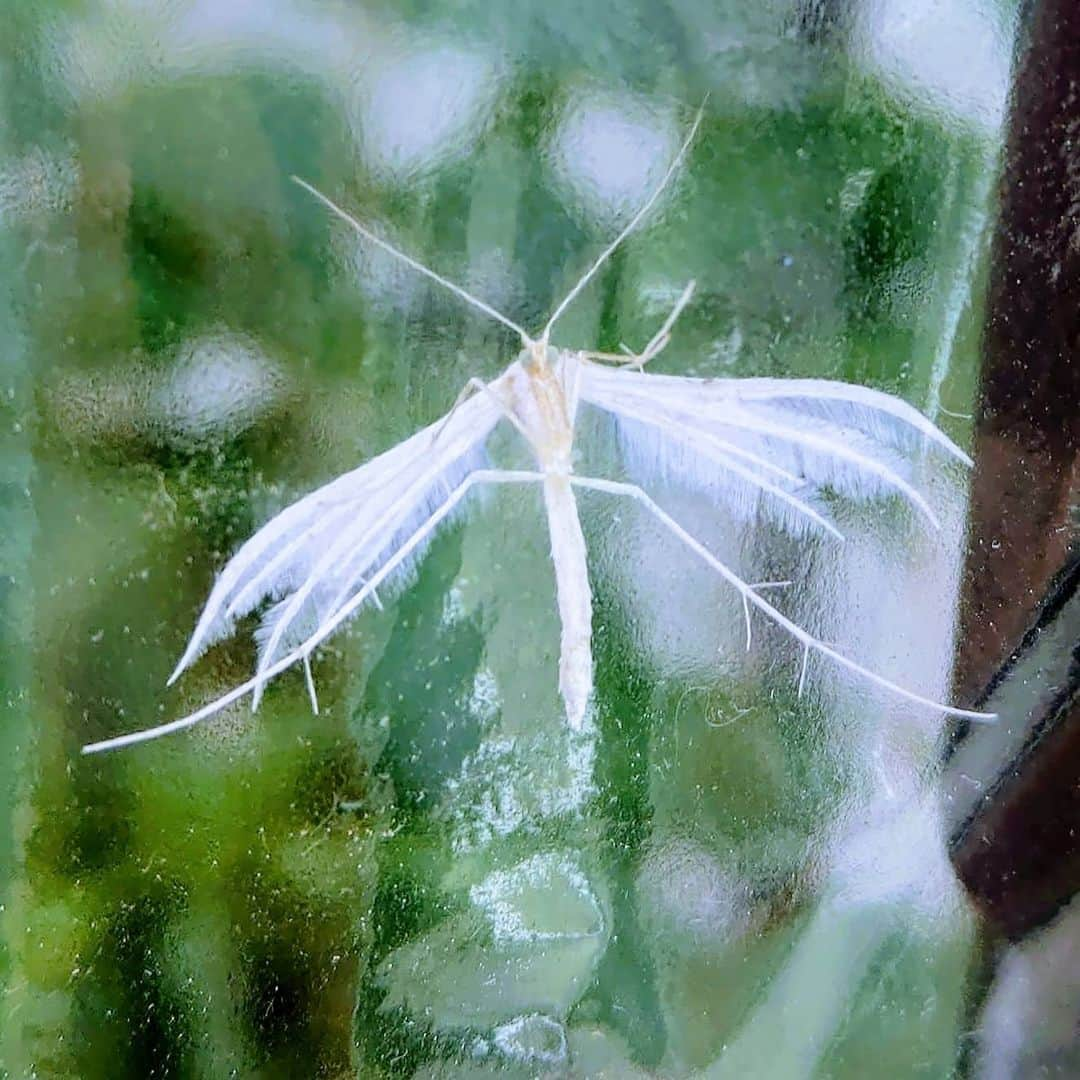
725 865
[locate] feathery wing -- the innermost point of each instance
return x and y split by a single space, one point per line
316 552
773 443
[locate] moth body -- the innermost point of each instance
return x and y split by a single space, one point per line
542 390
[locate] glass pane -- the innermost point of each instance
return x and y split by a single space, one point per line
732 863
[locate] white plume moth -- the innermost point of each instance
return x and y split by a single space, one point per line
326 556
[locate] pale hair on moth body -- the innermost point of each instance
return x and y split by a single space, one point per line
327 555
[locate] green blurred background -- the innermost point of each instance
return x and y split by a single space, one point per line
432 877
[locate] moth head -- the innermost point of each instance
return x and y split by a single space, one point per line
535 354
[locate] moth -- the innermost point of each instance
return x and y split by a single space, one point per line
776 442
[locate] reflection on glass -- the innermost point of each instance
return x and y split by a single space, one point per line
422 104
610 154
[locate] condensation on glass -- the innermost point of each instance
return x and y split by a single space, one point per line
715 875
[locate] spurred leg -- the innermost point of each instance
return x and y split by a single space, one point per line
750 596
479 386
657 344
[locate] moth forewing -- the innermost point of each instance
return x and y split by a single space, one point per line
655 445
888 419
864 448
294 559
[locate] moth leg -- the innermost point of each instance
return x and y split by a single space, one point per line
330 624
619 359
657 343
753 598
746 616
475 385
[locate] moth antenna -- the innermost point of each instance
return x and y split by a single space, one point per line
419 267
631 225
